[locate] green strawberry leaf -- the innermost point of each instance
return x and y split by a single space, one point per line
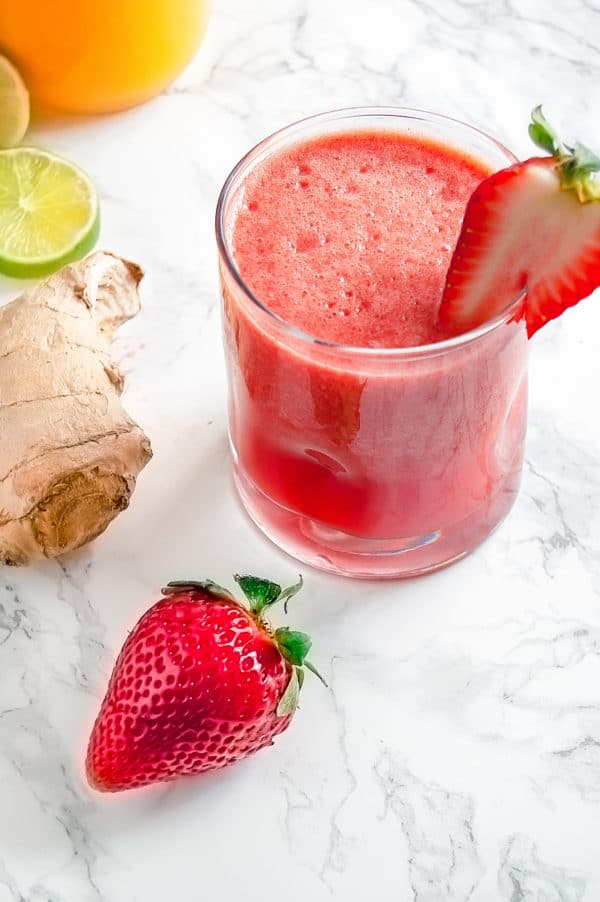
179 586
288 593
578 166
587 160
289 700
293 645
542 134
314 670
261 593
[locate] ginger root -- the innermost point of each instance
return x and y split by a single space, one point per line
69 453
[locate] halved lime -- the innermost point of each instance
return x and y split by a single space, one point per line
14 105
49 212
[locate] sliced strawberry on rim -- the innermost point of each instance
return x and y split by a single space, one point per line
533 227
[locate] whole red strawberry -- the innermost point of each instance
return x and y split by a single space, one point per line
200 682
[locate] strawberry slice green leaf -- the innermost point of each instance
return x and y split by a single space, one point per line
542 134
530 231
577 165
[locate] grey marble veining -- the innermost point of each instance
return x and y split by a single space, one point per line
456 754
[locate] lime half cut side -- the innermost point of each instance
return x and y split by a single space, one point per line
49 212
14 105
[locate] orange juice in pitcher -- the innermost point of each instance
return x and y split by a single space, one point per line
97 56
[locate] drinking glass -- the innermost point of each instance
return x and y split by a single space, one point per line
371 462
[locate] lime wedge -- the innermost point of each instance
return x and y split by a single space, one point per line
14 105
48 212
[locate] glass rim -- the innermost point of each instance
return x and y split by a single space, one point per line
296 127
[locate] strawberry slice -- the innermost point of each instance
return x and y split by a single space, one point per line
534 226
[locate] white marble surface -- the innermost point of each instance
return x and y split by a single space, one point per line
457 754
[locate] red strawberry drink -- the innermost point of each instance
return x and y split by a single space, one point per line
367 440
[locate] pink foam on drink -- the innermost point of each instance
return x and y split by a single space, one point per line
349 236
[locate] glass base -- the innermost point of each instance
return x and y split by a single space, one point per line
335 551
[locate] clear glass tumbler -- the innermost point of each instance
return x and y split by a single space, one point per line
372 463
